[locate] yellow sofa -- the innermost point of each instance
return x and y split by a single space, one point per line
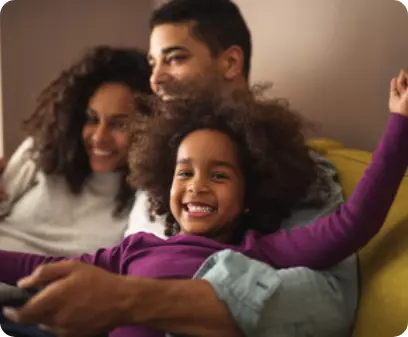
383 308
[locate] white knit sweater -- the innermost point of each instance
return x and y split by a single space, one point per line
43 216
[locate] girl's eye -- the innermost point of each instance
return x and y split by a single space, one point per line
184 174
219 176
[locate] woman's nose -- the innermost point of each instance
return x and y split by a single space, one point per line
100 134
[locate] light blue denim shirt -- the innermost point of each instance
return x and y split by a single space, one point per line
295 302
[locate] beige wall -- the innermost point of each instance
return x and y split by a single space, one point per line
41 37
332 58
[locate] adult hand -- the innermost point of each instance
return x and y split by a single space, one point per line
78 300
83 300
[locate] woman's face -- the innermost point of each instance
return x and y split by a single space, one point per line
105 133
207 193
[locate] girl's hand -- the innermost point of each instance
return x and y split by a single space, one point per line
399 94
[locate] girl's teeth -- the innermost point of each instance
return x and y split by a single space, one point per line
203 209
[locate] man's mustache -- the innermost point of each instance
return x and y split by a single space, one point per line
184 88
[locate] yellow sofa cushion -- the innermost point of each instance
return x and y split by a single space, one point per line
383 308
323 145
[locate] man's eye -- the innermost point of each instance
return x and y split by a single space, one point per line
175 58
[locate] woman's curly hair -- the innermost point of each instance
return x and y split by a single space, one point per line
57 122
269 136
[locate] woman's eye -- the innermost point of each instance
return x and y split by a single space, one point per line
119 125
92 120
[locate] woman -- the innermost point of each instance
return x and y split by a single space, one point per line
65 186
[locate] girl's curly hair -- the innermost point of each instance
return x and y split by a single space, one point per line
275 159
57 122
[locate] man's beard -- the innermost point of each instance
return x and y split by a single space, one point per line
186 88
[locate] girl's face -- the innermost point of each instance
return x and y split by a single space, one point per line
105 133
207 194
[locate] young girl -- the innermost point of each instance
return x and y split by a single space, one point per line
231 169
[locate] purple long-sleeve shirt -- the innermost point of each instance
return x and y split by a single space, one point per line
319 245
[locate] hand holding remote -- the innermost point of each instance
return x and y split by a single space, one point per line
11 296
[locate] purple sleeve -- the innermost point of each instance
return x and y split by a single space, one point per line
331 239
14 265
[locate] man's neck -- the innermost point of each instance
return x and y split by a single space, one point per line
238 84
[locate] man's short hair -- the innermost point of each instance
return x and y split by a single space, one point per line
218 23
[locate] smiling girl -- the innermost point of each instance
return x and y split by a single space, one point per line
223 180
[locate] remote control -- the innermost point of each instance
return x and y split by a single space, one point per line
15 297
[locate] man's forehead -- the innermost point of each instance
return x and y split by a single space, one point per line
166 36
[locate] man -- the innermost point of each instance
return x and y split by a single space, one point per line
196 43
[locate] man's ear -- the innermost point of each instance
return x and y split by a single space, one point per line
233 63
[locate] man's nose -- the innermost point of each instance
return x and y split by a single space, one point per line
158 77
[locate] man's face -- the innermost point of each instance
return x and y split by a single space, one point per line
180 61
